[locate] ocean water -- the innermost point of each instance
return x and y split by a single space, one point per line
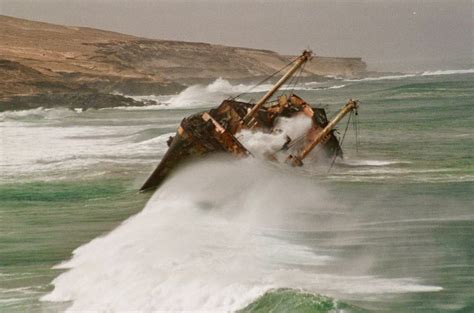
388 229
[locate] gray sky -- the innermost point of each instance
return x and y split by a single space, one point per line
388 34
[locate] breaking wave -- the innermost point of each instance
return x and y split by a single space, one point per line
448 72
203 96
264 144
75 147
37 114
210 240
200 95
426 73
197 96
350 162
334 87
387 77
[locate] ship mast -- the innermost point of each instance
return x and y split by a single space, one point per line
249 117
297 160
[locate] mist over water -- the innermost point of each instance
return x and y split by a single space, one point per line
212 239
389 228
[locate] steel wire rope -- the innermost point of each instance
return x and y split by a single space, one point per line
264 80
342 141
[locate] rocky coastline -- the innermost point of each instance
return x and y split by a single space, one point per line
47 65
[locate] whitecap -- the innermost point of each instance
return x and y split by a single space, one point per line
448 72
205 96
387 77
353 162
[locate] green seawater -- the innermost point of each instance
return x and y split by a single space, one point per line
42 222
401 229
288 300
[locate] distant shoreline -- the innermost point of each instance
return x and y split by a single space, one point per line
47 65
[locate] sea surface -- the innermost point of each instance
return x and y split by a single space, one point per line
390 228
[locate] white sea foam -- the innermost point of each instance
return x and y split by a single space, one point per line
206 242
196 96
38 148
387 77
203 96
11 300
448 72
37 113
409 75
335 87
261 144
355 162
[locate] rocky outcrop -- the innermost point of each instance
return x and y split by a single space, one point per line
70 100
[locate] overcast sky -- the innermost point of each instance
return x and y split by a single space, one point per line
388 34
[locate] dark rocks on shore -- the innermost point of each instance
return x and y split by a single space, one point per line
25 88
83 101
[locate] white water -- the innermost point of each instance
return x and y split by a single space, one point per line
36 142
388 77
371 162
263 144
448 72
43 144
208 241
197 96
426 73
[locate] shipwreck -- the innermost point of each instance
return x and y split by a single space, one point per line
215 130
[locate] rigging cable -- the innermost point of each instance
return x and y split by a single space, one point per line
298 77
293 82
342 140
264 80
356 129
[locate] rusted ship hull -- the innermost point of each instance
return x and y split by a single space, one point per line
197 135
214 132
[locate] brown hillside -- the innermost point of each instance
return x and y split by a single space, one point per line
39 58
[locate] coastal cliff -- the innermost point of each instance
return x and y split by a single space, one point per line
48 65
